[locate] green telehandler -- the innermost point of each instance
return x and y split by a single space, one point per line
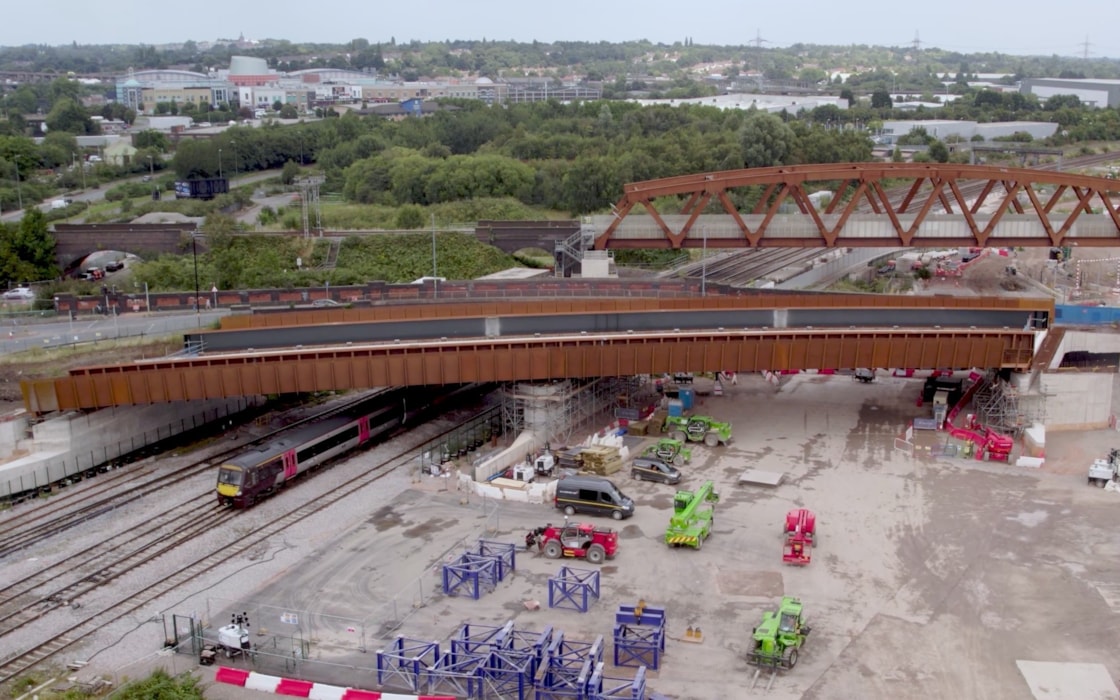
669 451
779 637
698 429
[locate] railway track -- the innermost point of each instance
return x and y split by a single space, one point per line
25 600
240 544
24 530
746 266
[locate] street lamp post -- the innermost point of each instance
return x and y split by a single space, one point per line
704 263
231 145
194 252
435 274
219 162
19 189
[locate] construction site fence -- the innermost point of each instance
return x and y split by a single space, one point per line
284 639
1075 315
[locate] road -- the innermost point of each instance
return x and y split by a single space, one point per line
19 335
97 195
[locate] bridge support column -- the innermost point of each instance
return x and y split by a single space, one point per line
552 411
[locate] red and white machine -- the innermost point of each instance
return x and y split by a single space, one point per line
800 532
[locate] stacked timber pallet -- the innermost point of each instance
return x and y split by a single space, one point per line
571 458
601 460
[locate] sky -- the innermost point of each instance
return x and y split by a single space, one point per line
1023 27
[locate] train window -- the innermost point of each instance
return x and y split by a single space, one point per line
328 443
229 476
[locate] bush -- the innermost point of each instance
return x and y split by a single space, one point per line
409 217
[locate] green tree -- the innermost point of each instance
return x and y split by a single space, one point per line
881 99
221 256
289 173
766 140
150 138
69 116
939 152
34 245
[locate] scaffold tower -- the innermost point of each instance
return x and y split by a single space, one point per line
1003 406
309 198
555 410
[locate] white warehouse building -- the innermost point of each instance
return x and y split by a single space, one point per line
1095 93
965 130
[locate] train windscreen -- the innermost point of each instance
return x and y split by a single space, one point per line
230 475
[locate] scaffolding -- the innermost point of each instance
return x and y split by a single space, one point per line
1002 406
556 410
309 199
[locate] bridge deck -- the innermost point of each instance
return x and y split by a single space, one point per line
507 348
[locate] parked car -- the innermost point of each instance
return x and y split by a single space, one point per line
19 294
114 265
651 469
325 302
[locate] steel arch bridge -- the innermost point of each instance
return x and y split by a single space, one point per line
870 205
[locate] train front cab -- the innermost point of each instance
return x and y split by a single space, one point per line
230 478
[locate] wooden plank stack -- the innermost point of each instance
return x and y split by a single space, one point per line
571 458
601 460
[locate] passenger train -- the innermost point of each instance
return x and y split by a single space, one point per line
258 472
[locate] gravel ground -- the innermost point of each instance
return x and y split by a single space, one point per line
933 578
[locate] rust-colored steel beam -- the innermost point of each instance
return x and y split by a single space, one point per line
528 359
935 189
748 299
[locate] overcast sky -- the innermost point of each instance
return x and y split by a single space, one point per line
1024 27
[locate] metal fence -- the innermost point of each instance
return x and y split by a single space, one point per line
21 334
75 464
283 637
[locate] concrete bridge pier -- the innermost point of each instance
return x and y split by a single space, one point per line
70 444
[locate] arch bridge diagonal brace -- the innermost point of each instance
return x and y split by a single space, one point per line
903 236
772 210
936 194
913 192
1043 218
1055 197
1084 200
965 211
1113 212
760 205
701 203
691 202
841 190
1082 205
983 236
849 209
1014 196
797 192
729 207
982 197
620 211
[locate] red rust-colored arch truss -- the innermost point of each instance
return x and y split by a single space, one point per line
961 190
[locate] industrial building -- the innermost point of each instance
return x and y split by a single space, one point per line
964 130
1091 92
